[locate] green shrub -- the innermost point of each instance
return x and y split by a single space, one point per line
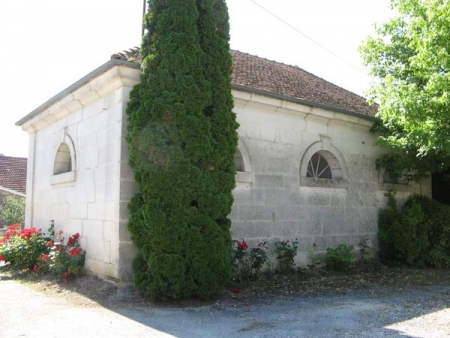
63 259
437 222
285 252
182 139
22 248
13 211
28 249
403 233
340 258
248 263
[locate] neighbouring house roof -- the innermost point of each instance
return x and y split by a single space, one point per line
13 173
255 75
266 76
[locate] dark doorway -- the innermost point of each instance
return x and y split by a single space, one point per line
441 186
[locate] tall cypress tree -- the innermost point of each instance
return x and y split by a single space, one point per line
182 160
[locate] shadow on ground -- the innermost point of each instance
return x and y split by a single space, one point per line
367 303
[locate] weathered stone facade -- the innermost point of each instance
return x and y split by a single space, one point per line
78 173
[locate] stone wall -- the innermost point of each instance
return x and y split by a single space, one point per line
276 201
83 135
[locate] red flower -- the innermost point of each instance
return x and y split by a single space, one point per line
44 257
75 252
73 239
2 258
35 268
65 275
242 245
236 290
49 244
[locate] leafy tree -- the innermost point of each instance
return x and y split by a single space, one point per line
182 138
13 211
410 57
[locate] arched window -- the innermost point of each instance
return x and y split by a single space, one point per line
318 167
239 161
324 164
64 166
63 161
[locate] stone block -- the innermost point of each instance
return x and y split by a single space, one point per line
291 183
99 250
127 253
93 110
88 159
234 214
111 231
78 210
109 153
93 230
318 198
128 189
124 234
277 166
243 196
256 213
257 230
276 197
123 210
268 181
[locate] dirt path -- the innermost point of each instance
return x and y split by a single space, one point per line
372 311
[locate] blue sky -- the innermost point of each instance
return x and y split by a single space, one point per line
47 45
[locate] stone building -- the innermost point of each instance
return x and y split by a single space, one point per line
305 161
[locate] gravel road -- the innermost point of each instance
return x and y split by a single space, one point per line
365 312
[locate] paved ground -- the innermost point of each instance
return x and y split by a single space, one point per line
366 312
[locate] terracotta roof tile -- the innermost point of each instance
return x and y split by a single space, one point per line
278 78
13 173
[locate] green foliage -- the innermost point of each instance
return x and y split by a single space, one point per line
410 57
29 249
248 263
340 258
437 221
13 210
22 248
285 252
417 234
63 259
402 233
182 138
368 252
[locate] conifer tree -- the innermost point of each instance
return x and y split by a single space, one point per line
182 161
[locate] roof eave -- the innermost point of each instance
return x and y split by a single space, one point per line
302 101
12 191
95 73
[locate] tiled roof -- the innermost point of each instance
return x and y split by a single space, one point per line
13 173
273 77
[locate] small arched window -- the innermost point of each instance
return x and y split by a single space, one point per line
318 167
63 160
324 164
64 166
239 161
